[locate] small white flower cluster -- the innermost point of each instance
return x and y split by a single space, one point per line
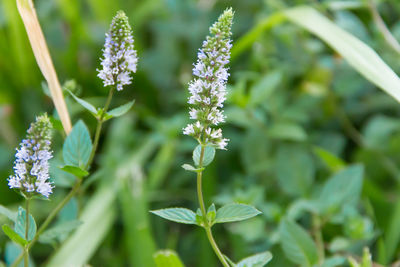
119 56
208 90
31 166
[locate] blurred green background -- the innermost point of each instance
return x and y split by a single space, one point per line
291 101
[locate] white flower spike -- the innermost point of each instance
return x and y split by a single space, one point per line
31 166
208 90
119 56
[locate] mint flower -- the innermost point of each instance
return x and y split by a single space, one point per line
208 90
119 56
31 166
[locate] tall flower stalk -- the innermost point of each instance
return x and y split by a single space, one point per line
118 63
31 168
208 93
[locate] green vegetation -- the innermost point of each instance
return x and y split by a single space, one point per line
312 165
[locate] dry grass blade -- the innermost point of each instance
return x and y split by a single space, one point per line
43 59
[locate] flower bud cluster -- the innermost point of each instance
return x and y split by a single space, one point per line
31 166
119 56
208 90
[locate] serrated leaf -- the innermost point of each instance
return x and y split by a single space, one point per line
12 215
209 154
20 224
257 260
50 235
180 215
77 171
297 244
342 188
84 103
167 258
13 235
121 110
77 146
235 212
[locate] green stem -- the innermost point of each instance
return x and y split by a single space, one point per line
316 221
207 227
26 253
76 187
98 127
48 220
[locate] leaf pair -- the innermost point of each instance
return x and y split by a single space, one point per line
98 113
228 213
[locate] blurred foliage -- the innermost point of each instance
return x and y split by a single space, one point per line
314 145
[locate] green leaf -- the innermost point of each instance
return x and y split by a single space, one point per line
180 215
264 88
257 260
189 167
167 258
359 55
77 171
50 235
295 170
344 188
77 146
20 224
84 103
331 161
8 213
121 110
235 212
297 244
209 153
334 261
211 214
14 236
287 131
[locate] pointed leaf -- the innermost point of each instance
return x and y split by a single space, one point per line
297 244
77 171
257 260
121 110
77 146
84 103
180 215
342 188
167 258
20 224
235 212
13 235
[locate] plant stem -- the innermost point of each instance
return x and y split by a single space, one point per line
48 220
316 222
207 227
74 189
26 253
98 127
